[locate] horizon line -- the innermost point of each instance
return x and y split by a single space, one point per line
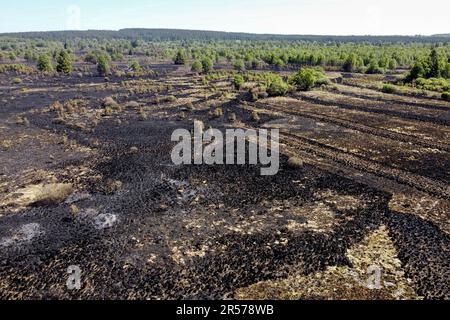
229 32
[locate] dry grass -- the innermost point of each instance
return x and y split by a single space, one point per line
109 102
112 186
217 113
143 115
74 210
255 116
41 194
295 163
342 282
22 121
132 104
6 144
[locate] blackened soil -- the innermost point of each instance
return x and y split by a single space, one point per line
146 229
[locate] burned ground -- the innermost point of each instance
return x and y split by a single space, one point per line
89 182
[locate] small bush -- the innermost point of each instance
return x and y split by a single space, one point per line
307 78
112 186
44 63
180 58
90 58
197 66
323 82
295 163
239 65
64 63
277 87
388 88
189 106
207 65
351 63
103 68
374 68
16 81
22 121
108 111
17 68
433 84
143 116
446 96
132 104
109 102
217 113
255 116
171 99
135 66
74 210
51 194
238 81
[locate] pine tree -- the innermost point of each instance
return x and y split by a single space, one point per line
207 65
103 66
417 71
44 63
197 66
64 63
239 65
180 58
435 65
350 63
238 81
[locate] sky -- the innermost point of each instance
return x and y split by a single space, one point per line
319 17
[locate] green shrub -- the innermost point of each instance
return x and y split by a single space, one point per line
392 64
277 88
351 63
103 67
435 66
279 64
44 63
446 96
207 65
64 63
29 56
323 82
305 79
17 68
238 81
417 71
374 68
16 81
116 56
388 88
197 66
135 66
432 84
91 58
239 65
180 58
256 64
